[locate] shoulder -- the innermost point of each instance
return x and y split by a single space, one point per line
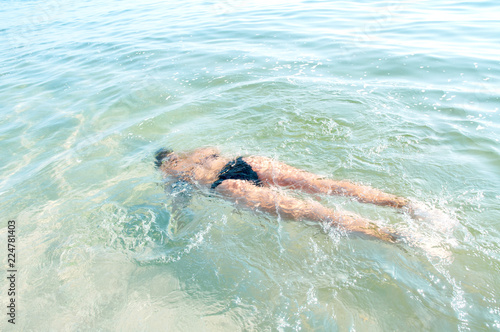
202 152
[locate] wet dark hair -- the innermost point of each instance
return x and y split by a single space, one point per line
161 154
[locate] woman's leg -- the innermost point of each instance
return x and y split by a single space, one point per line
277 173
268 200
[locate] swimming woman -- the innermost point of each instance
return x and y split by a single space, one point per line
249 181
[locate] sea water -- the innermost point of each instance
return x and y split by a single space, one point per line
399 95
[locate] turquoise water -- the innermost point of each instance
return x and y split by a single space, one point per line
400 95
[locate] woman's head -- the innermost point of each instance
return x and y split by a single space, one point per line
161 155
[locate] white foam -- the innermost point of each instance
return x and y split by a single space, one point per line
430 229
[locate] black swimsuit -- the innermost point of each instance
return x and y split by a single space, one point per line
237 170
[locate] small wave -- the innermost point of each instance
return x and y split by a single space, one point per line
430 229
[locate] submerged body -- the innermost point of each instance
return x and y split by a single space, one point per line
251 182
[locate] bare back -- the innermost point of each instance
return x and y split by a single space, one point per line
201 166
